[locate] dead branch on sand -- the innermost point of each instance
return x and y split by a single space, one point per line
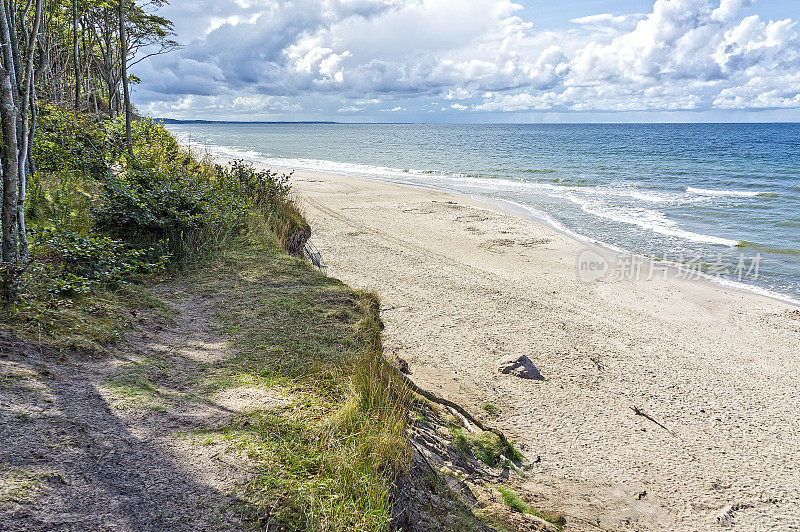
639 412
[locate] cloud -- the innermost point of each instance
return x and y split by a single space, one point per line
243 106
518 102
457 93
729 8
360 55
607 19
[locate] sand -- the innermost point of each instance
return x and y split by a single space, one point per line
464 283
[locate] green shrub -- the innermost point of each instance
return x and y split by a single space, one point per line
148 205
260 189
70 155
62 201
99 218
72 264
67 142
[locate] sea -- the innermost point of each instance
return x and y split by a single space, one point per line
724 198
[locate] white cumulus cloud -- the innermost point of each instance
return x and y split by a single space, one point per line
360 55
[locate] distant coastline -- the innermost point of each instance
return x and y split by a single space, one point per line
176 121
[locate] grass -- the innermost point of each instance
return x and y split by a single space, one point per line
21 486
486 447
87 322
329 458
513 501
490 409
12 379
135 384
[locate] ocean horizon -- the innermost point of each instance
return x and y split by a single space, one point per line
717 195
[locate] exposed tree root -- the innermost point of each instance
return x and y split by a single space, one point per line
458 408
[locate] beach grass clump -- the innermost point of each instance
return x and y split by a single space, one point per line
486 447
515 502
490 409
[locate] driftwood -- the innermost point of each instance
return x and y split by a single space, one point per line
638 412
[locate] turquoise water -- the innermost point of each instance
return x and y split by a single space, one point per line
699 193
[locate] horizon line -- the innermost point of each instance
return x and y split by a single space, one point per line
334 122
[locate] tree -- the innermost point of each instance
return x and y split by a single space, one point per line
70 49
123 40
16 91
76 54
81 52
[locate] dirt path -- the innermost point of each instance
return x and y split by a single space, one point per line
101 444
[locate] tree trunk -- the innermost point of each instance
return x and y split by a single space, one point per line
16 81
123 41
5 39
76 55
28 124
8 117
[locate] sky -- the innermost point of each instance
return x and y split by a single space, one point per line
478 61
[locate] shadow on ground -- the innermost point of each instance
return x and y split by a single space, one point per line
70 461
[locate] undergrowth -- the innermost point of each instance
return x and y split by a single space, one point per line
101 222
486 447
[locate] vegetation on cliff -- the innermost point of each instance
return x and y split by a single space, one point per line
102 213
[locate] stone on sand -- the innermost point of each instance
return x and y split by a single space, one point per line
520 366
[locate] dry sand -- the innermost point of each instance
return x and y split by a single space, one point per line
464 283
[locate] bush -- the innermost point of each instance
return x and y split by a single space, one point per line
268 194
101 217
70 155
68 142
147 205
262 190
72 264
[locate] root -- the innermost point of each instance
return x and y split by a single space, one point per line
450 404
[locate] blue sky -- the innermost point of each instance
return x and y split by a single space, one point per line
557 15
478 61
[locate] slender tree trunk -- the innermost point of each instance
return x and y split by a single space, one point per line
5 39
31 161
8 120
123 41
8 117
17 80
27 113
76 54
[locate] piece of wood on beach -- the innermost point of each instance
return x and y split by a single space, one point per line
639 412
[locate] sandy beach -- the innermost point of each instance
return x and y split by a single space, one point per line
464 283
